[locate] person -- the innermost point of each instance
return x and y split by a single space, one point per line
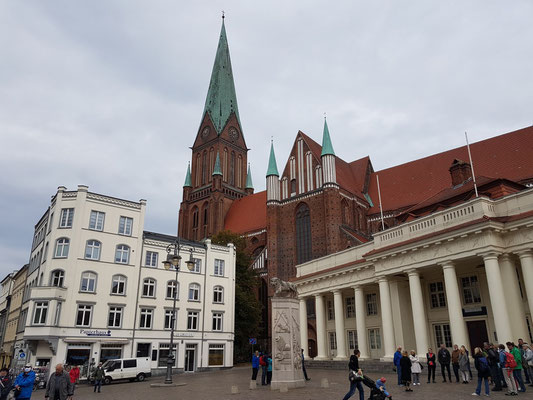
405 367
528 361
483 372
444 361
60 386
303 367
74 374
492 359
517 371
355 373
24 383
380 384
396 361
416 368
255 365
507 364
263 363
99 375
521 344
469 368
430 357
5 383
463 364
269 369
455 362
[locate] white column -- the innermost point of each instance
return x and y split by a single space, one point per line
386 318
526 260
497 298
455 310
515 306
419 313
339 325
304 339
320 327
360 320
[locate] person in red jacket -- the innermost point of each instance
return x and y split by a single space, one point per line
74 375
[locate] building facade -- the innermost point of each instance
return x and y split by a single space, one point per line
6 287
13 347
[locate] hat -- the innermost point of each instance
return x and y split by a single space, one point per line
383 379
27 366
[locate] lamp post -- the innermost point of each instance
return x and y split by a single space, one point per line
174 262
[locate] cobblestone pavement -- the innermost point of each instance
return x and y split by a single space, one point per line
217 386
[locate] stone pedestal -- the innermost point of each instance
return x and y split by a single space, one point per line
286 347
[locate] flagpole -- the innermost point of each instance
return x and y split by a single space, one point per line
471 164
380 206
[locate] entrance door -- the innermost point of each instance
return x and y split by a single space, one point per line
312 351
374 342
477 333
190 356
143 349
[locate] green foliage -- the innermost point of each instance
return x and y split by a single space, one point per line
247 307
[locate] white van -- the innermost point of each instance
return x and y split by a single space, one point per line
127 368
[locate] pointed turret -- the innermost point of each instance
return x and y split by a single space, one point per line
188 182
272 177
221 99
329 170
272 165
249 188
216 169
327 147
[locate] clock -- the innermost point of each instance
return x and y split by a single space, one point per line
233 134
205 132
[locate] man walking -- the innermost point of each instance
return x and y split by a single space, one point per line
24 383
455 361
99 375
444 361
396 361
303 367
59 385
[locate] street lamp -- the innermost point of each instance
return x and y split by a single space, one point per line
174 262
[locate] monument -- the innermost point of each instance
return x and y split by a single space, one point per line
286 349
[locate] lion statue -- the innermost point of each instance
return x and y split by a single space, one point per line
283 289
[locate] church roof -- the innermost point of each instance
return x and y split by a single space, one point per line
221 99
249 184
327 147
247 214
272 165
216 169
188 182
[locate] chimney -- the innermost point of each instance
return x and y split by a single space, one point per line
460 172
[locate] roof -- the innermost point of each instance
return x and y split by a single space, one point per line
505 156
188 182
249 184
247 214
272 165
221 99
327 147
170 239
217 170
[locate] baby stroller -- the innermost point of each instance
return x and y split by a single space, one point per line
375 392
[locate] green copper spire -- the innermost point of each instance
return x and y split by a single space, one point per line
249 184
221 98
216 170
272 165
188 177
327 147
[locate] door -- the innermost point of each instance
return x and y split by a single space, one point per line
143 349
374 342
312 348
115 370
190 357
477 334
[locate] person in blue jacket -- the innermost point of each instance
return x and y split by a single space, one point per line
380 384
255 365
397 358
24 383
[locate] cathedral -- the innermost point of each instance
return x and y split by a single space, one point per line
318 204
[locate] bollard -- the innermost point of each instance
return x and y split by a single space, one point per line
234 389
324 383
283 388
253 385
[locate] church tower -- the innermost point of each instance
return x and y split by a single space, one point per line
218 173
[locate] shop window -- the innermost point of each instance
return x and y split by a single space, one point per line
216 355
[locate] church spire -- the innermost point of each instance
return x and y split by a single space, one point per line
188 182
272 165
327 147
217 170
221 99
249 184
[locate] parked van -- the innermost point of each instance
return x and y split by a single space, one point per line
127 368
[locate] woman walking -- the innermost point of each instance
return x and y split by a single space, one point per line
416 368
355 375
405 366
464 364
483 372
430 356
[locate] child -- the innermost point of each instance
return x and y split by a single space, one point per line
380 384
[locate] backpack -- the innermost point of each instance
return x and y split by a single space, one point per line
483 364
262 361
510 362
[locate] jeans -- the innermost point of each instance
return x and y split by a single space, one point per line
254 374
269 377
416 378
353 386
518 376
495 377
456 371
444 367
431 373
304 371
97 384
479 380
264 375
399 372
527 373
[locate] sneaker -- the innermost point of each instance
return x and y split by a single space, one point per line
475 394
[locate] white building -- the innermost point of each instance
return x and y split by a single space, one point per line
102 291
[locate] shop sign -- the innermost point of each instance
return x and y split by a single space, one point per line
95 332
184 334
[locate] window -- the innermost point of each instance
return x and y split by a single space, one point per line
375 339
151 259
88 282
197 266
443 335
168 319
57 278
39 316
218 294
124 226
96 220
331 311
372 304
194 292
303 234
62 246
332 340
350 307
217 321
118 285
58 314
22 321
67 215
145 322
84 315
115 317
438 295
164 353
122 254
172 291
216 354
352 340
149 287
92 250
130 363
219 267
192 320
470 287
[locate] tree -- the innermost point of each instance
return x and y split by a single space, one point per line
247 306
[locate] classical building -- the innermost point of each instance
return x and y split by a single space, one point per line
97 290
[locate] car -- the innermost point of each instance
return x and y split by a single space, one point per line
127 368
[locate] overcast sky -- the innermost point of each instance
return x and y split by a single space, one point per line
110 93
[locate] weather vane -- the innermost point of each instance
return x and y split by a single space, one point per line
223 14
324 115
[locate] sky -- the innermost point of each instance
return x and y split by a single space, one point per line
110 93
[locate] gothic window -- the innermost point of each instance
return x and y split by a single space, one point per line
345 210
293 187
284 188
211 163
195 221
225 166
204 168
232 169
303 233
205 219
198 170
239 172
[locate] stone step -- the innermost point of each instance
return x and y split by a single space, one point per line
366 365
